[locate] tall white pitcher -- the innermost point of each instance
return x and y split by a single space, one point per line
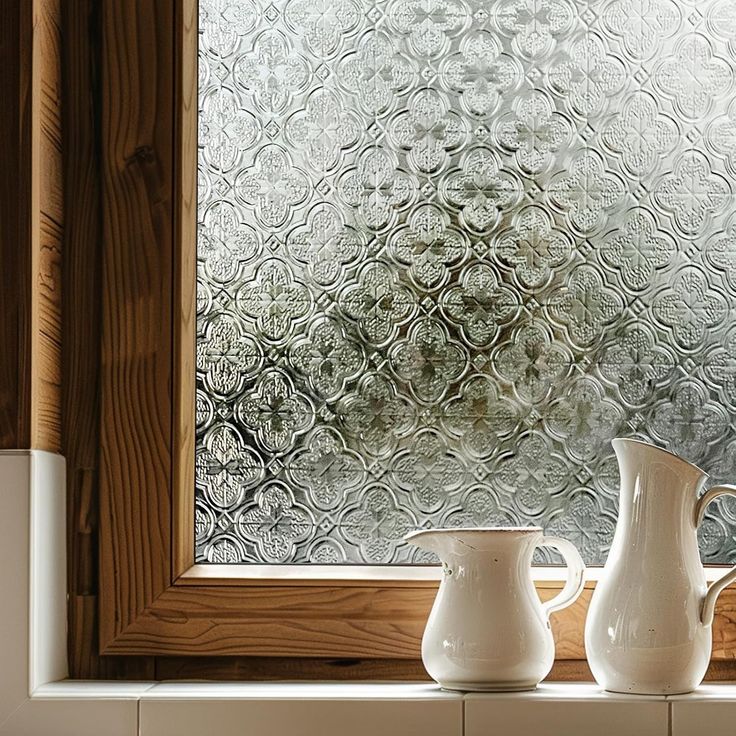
648 629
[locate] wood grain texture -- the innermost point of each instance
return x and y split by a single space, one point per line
16 81
185 285
47 225
137 329
724 626
285 668
721 670
31 213
245 669
287 621
81 346
81 276
32 217
302 668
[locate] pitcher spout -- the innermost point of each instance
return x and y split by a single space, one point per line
635 454
427 539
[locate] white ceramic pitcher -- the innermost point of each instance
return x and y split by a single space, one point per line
488 630
648 629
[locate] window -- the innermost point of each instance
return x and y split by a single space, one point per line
135 136
446 252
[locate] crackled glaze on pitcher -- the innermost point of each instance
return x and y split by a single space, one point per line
648 629
488 630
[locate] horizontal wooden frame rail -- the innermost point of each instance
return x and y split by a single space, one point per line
151 603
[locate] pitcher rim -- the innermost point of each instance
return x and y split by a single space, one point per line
475 529
661 449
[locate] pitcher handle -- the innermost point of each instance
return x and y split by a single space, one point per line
575 574
709 601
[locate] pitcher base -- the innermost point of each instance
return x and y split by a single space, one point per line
481 687
649 691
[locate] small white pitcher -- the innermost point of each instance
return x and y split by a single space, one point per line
488 630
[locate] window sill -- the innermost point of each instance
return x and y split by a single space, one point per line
333 709
36 699
547 692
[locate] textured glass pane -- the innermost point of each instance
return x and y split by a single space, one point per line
447 250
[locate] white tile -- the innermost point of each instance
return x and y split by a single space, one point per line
565 710
710 710
252 716
710 718
41 717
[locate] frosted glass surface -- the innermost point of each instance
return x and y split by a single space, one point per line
447 250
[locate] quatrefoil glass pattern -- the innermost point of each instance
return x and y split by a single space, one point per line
447 250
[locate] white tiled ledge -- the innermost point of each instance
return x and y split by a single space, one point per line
346 691
36 699
394 709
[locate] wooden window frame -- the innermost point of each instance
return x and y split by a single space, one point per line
153 600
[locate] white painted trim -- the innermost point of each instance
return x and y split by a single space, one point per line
47 613
36 699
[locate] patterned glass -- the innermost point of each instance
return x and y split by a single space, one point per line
447 250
